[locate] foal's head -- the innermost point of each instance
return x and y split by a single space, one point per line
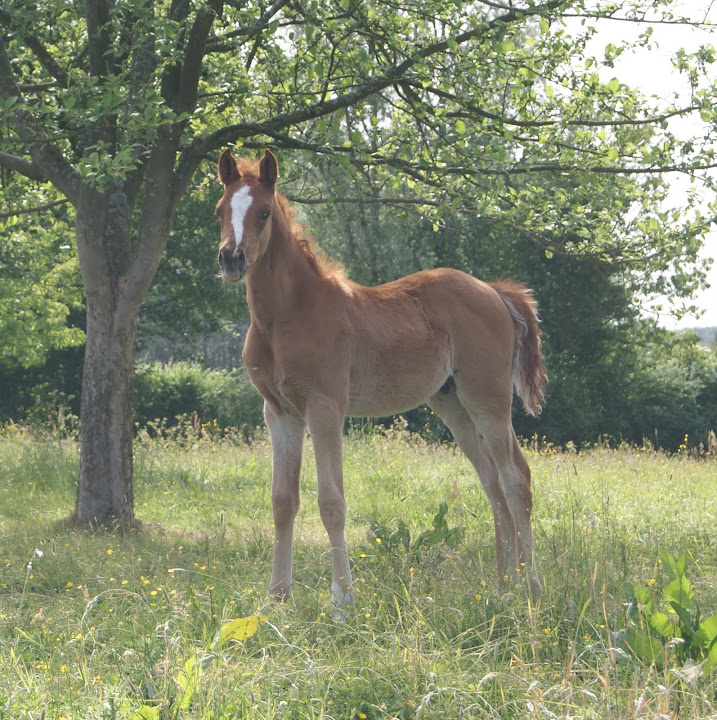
245 213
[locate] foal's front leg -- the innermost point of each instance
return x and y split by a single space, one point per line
287 442
325 422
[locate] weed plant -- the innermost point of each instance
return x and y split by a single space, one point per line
108 625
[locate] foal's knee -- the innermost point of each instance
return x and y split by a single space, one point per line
518 495
332 508
285 506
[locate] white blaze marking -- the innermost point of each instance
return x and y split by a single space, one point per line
241 202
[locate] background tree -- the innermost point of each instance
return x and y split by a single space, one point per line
117 104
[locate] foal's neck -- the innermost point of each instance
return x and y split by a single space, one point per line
281 280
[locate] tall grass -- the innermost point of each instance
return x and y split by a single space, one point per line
99 625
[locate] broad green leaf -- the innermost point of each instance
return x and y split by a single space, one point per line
661 624
707 633
147 712
238 629
188 681
644 647
679 592
686 625
711 660
675 569
641 594
460 127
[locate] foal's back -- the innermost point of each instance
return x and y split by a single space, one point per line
411 336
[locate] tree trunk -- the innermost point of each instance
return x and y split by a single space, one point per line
118 259
104 492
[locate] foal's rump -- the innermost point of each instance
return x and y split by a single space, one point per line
411 336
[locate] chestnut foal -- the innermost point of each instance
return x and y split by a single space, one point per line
321 347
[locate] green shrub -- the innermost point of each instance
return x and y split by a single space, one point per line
225 398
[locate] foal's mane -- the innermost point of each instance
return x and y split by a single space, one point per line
323 265
320 262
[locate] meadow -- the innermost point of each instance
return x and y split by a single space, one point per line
171 619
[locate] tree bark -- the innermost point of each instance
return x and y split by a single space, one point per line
104 492
118 261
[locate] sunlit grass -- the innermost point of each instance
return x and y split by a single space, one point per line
97 625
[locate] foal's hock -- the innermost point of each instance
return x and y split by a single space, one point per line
321 347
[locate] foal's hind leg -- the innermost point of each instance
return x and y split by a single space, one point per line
287 442
514 477
466 435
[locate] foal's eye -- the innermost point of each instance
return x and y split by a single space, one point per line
265 215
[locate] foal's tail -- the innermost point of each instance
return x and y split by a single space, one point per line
529 372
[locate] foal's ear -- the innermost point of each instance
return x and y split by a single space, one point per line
227 170
268 169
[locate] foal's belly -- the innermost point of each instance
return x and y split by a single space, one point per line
391 390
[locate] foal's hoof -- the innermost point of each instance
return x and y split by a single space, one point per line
279 594
341 596
534 587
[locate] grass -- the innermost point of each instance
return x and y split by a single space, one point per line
102 625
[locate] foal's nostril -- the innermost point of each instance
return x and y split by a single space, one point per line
232 263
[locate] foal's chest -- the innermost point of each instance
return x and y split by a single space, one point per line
287 366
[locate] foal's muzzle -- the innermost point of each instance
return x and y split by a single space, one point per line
233 264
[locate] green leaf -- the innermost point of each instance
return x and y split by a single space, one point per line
641 594
644 647
679 593
460 127
188 681
687 623
711 660
238 629
670 564
147 712
661 624
707 634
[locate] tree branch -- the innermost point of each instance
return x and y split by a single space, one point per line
388 77
37 48
257 27
193 56
98 17
28 168
472 110
424 172
33 210
45 156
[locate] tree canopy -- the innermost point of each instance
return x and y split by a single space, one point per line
490 110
